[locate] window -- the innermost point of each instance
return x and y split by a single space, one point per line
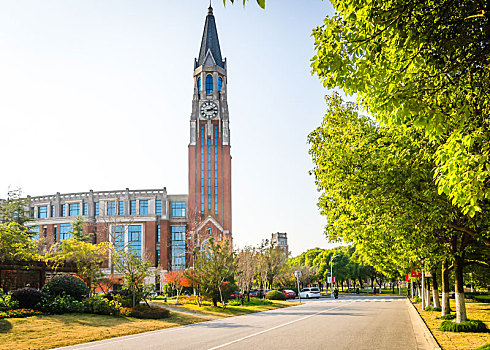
178 209
55 233
53 213
209 174
111 208
157 262
158 207
74 209
42 212
209 84
34 230
220 84
199 84
65 232
132 208
158 233
85 208
178 247
31 212
62 210
134 239
120 208
202 169
144 207
96 210
118 237
216 170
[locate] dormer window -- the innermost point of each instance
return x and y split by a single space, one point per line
209 84
220 84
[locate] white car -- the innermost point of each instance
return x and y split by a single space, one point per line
311 292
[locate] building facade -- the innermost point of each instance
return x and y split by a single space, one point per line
280 239
157 226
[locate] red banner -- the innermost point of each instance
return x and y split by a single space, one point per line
414 273
334 279
407 277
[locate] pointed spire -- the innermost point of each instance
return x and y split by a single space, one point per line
210 41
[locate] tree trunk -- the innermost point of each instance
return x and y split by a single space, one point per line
435 289
459 289
446 309
215 302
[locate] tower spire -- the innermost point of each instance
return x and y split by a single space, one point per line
210 42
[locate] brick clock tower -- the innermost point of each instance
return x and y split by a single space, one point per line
209 148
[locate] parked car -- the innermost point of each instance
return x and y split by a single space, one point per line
254 293
290 294
310 292
236 294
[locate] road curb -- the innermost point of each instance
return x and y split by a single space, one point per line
418 322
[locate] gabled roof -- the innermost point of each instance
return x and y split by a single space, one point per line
210 42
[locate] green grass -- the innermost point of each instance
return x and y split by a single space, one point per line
484 347
46 332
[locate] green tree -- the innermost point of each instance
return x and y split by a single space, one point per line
133 270
78 230
16 244
213 270
424 64
87 257
15 208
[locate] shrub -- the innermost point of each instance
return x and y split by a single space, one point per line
124 297
62 304
28 298
484 347
66 285
19 313
275 295
102 306
466 326
417 300
6 301
448 317
430 308
482 298
145 312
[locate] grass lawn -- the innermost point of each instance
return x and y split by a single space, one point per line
231 310
45 332
459 341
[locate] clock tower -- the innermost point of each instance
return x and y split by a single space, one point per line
209 148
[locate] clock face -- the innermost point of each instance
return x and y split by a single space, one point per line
209 110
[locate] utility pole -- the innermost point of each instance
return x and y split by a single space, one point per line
297 274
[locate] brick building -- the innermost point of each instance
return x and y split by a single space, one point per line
159 226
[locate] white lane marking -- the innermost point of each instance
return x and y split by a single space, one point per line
276 327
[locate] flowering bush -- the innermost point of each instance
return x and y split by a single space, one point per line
19 313
102 306
6 301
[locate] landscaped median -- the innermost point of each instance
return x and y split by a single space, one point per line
458 340
233 307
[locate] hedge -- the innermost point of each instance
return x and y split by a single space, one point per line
466 326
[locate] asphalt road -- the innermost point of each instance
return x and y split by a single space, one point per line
357 322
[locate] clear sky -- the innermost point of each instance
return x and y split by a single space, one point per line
96 94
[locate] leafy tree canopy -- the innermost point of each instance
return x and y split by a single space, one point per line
422 63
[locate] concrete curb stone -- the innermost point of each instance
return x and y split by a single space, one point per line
423 335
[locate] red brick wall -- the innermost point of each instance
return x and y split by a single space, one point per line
150 240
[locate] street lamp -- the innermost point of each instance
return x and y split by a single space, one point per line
331 275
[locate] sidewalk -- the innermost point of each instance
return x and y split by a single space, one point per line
423 336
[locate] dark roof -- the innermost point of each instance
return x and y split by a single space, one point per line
210 41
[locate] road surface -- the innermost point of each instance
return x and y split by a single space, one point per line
352 322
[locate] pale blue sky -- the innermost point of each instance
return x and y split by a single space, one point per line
96 94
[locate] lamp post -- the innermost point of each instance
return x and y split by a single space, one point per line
331 275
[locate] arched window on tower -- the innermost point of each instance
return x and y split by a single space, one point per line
209 84
199 85
220 84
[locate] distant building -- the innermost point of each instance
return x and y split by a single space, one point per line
280 239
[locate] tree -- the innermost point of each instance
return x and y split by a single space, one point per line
214 269
87 257
246 269
78 230
133 271
178 280
377 191
15 208
423 64
15 243
261 3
